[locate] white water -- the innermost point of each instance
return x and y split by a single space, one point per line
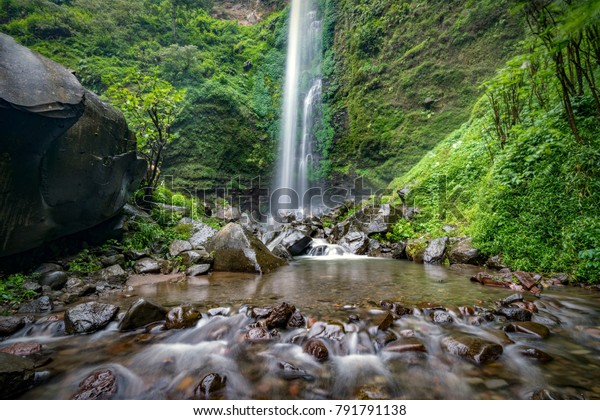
302 99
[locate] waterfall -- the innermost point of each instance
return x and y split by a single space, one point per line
302 100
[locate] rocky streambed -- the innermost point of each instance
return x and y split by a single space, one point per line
360 328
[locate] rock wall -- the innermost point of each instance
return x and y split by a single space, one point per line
67 160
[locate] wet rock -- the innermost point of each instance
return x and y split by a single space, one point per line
282 252
141 313
296 320
259 312
236 249
441 317
525 279
184 316
289 371
495 262
317 349
528 306
228 213
396 308
385 321
194 257
463 252
89 317
529 328
113 275
546 394
466 310
384 337
513 313
16 375
39 305
279 316
489 280
472 348
22 349
33 286
295 241
147 266
135 255
10 325
178 246
517 297
56 280
47 267
258 334
210 386
218 312
405 345
201 234
435 251
536 354
198 270
100 385
117 259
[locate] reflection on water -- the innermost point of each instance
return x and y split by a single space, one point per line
330 291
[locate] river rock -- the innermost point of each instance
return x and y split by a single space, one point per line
289 371
16 375
317 349
384 321
279 316
184 316
258 334
141 313
472 348
296 320
295 241
116 259
441 317
10 325
210 386
377 219
546 394
396 308
529 328
536 354
514 313
463 252
415 250
189 258
113 275
197 270
405 345
100 385
201 232
178 246
236 249
147 266
89 317
56 280
435 251
487 279
356 242
39 305
79 147
22 349
218 311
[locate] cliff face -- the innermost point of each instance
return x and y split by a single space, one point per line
67 159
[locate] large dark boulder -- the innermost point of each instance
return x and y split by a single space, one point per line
142 312
89 317
67 159
237 249
16 375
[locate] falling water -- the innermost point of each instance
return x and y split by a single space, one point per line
302 98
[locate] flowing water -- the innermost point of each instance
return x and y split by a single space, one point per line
302 99
340 298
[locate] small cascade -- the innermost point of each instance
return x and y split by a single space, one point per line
321 248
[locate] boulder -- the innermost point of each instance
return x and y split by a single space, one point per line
293 240
197 270
116 259
189 258
54 279
10 325
16 375
528 327
472 348
113 275
79 147
184 316
514 313
463 252
100 385
146 266
258 334
228 213
280 315
377 219
141 313
236 249
405 345
415 250
317 349
355 241
201 232
39 305
89 317
435 251
178 246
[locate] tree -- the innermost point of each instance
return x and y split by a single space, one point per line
151 106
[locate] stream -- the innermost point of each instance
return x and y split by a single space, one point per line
340 298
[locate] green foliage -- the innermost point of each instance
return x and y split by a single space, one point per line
85 262
12 291
147 235
401 231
